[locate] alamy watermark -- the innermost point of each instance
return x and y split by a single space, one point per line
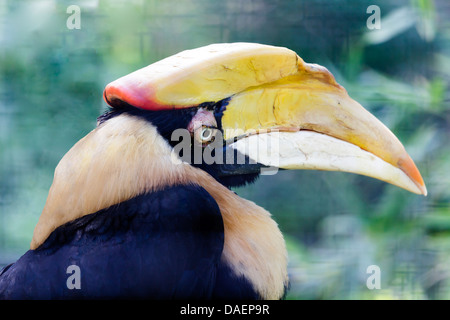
74 280
374 280
374 20
74 20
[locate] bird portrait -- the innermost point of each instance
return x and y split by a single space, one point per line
144 207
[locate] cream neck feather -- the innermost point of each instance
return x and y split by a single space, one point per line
124 157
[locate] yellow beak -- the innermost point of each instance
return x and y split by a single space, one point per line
308 121
281 111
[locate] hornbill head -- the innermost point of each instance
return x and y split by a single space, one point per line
272 109
217 117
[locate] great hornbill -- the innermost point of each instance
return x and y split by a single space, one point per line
141 221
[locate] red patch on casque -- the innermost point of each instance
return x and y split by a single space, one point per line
121 91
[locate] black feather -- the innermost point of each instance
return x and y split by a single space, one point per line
161 245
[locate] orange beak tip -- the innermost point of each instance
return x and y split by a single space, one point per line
408 166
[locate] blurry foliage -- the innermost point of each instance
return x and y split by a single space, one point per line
335 224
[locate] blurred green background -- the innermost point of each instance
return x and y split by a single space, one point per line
335 224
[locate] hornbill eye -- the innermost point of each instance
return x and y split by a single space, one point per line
203 127
207 134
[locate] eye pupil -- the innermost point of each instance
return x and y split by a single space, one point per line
206 134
